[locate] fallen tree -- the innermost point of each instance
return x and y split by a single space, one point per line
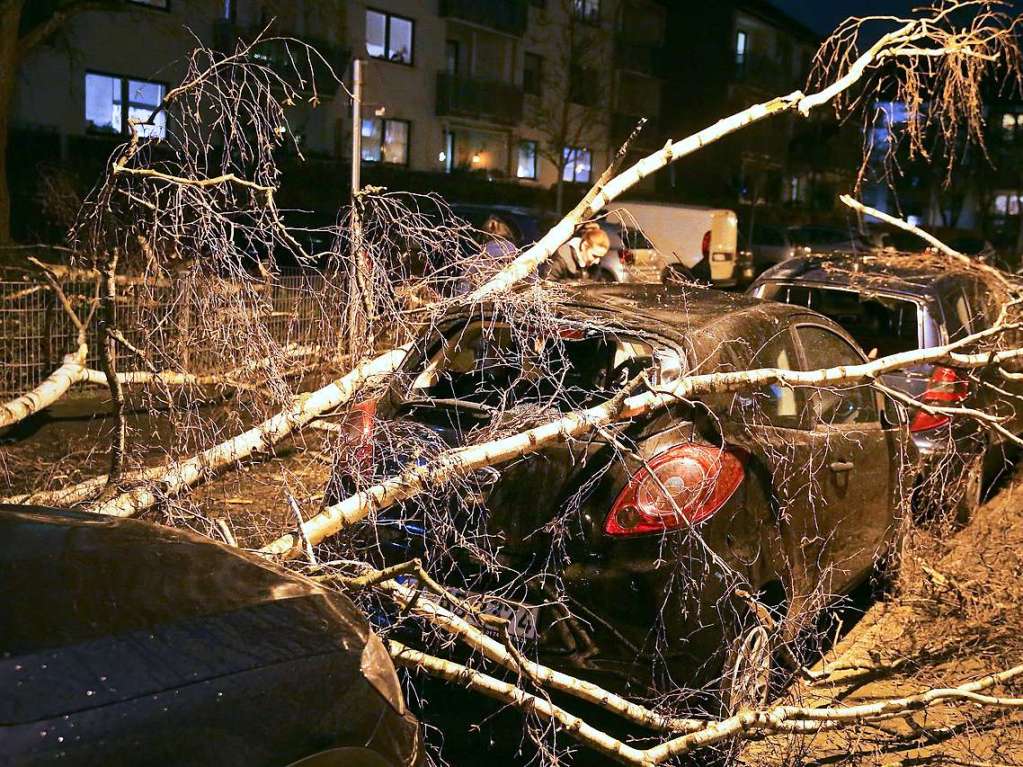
962 50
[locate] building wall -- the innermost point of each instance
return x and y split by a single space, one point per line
152 44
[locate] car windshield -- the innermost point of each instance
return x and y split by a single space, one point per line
886 324
488 364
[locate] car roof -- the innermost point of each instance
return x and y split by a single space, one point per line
690 317
918 274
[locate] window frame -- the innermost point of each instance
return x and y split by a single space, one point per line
165 8
587 11
539 74
536 159
126 104
383 133
741 55
575 178
813 397
388 16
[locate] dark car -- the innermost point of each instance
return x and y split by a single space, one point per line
898 304
123 642
822 239
652 589
770 245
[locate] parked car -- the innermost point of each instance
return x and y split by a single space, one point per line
631 257
653 600
770 245
825 240
888 308
699 239
125 642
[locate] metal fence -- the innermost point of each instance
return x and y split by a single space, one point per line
36 332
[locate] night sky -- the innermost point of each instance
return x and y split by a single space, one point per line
824 15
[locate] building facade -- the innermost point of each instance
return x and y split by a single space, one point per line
503 98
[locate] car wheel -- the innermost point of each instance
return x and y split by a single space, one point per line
973 492
746 676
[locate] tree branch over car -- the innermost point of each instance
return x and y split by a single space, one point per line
728 460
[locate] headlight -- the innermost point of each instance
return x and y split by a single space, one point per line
379 671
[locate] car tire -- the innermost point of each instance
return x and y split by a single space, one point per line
973 492
746 676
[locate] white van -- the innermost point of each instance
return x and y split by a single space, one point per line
686 234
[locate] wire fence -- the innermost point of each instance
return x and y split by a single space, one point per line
36 332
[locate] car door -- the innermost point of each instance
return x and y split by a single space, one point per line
855 464
773 424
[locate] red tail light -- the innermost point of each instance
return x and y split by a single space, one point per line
359 422
705 247
699 478
945 388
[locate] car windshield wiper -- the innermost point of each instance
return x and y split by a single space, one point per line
461 403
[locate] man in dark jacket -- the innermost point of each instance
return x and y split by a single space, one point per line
571 260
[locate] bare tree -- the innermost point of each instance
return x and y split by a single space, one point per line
571 108
211 224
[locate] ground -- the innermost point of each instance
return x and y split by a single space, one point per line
955 615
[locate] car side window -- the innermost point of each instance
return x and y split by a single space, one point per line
775 404
836 405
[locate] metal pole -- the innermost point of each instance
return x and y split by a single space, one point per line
356 126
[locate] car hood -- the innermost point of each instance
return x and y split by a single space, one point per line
99 610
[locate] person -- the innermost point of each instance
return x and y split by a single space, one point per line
572 260
500 238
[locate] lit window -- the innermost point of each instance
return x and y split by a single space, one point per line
385 141
106 97
389 37
1007 204
578 165
526 166
741 47
586 10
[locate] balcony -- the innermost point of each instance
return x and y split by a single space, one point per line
764 73
275 54
635 57
478 99
508 16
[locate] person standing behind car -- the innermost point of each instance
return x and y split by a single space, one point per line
571 260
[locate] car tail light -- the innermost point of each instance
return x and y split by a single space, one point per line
705 247
359 422
945 388
699 478
627 256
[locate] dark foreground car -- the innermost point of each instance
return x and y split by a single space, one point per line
123 642
792 495
893 304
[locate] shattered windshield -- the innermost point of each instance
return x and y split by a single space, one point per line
490 364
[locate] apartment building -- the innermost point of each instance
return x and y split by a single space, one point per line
514 94
738 53
515 90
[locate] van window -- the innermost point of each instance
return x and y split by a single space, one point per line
887 324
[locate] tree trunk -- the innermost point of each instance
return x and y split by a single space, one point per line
10 18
